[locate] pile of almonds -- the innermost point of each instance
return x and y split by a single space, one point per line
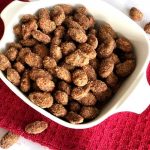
65 63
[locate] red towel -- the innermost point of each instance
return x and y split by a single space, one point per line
121 131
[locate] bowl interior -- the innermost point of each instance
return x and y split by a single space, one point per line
120 23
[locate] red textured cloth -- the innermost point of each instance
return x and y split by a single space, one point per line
122 131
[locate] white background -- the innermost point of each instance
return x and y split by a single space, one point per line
124 6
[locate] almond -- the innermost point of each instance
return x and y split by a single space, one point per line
8 140
36 127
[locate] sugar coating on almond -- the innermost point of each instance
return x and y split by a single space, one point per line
19 67
147 28
13 76
135 14
63 74
92 40
77 59
17 30
41 50
82 10
47 25
61 97
45 84
66 8
15 44
43 100
80 92
126 68
105 30
88 100
124 44
55 52
39 73
11 53
4 62
114 58
106 48
25 82
28 42
74 118
70 23
83 20
28 17
89 112
87 50
67 66
49 62
33 60
112 80
22 53
90 72
8 140
79 77
27 29
56 41
77 35
105 68
58 110
67 48
36 127
59 31
41 37
57 15
44 13
98 86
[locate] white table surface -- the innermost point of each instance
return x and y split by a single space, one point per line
124 6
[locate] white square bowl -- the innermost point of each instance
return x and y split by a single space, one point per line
102 11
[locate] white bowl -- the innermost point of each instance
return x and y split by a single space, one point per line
102 11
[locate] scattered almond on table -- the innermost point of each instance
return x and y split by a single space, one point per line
8 140
147 28
36 127
135 14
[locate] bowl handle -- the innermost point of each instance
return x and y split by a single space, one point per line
10 10
139 100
